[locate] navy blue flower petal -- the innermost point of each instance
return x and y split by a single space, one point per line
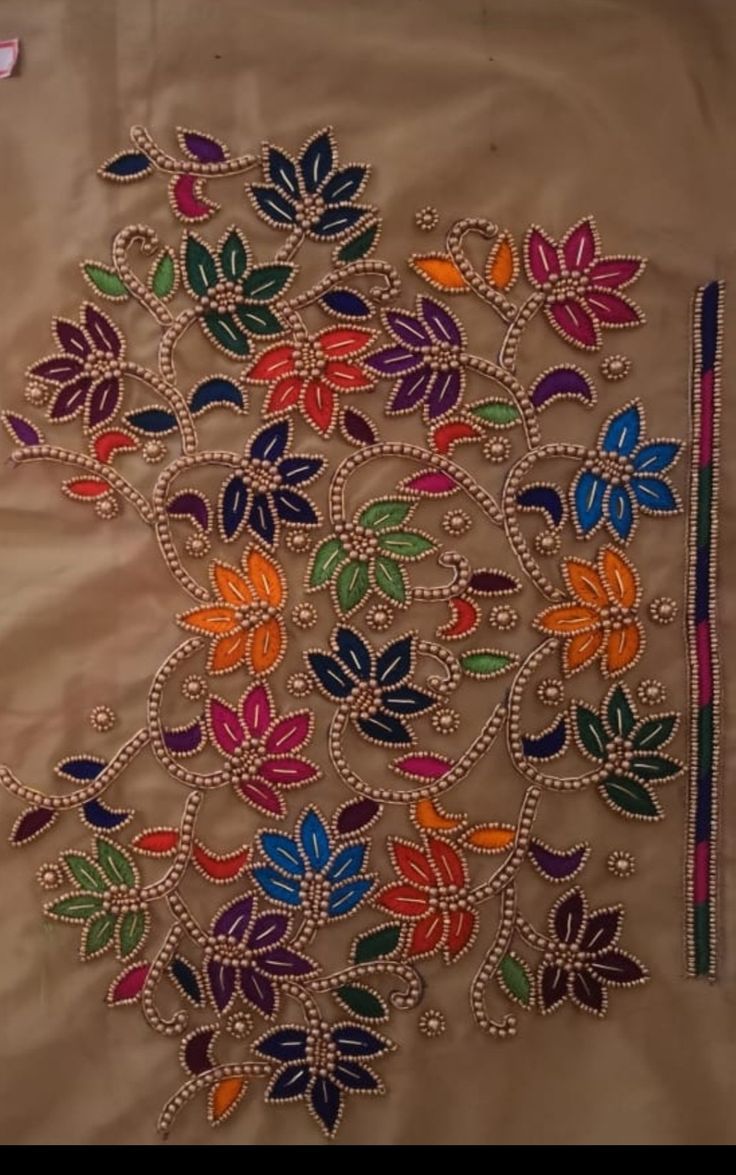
315 840
405 699
655 457
289 1083
354 653
620 511
588 494
316 161
622 434
354 1041
326 1102
345 898
350 1075
283 852
337 219
286 1044
348 862
282 172
331 675
345 184
394 663
261 520
270 443
294 470
278 887
654 494
274 206
294 508
385 729
233 506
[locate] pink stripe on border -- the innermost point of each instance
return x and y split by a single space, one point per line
705 663
705 454
701 876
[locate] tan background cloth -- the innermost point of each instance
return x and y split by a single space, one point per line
519 110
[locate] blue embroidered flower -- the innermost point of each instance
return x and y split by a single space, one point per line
259 495
310 193
374 688
305 870
624 475
320 1065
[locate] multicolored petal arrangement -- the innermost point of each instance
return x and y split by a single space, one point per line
419 869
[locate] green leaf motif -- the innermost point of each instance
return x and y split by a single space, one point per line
377 944
98 935
515 980
201 270
359 246
389 579
385 515
163 278
328 557
259 320
86 875
132 932
591 732
363 1001
646 766
82 906
234 256
352 584
106 282
224 330
619 714
655 732
485 663
404 544
498 412
266 281
116 864
631 797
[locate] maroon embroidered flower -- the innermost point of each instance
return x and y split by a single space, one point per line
261 748
578 284
245 954
429 359
580 961
89 367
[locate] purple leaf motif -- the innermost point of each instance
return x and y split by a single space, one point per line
555 865
356 816
21 430
562 383
203 148
31 823
493 583
185 740
192 505
358 429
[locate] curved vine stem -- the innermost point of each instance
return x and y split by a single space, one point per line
507 872
455 247
531 936
182 913
489 966
169 340
196 1084
456 587
173 875
178 1022
291 245
510 344
149 242
385 293
207 782
403 1000
516 390
172 396
82 795
448 661
166 163
88 465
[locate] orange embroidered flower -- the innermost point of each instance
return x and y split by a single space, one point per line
601 623
245 619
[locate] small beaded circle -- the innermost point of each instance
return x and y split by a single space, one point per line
427 219
621 864
503 617
456 522
107 508
102 718
298 685
153 452
663 610
50 876
615 367
197 545
36 394
445 721
239 1025
651 693
497 449
194 687
379 618
432 1023
547 542
551 691
304 615
297 540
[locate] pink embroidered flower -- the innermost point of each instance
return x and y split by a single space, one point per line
260 748
579 284
88 367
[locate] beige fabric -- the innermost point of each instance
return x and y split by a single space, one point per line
519 110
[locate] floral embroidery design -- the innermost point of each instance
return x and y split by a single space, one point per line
246 531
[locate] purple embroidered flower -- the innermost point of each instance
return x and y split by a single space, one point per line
428 358
580 961
579 284
89 367
320 1065
245 954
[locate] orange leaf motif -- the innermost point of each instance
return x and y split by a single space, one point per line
502 267
490 838
427 815
440 271
224 1097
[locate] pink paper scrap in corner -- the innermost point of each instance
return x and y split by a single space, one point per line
8 57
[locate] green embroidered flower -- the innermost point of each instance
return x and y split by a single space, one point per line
233 296
107 900
626 749
369 556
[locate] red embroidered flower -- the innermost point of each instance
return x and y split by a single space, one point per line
578 283
310 373
89 368
433 896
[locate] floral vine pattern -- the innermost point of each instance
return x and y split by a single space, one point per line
243 987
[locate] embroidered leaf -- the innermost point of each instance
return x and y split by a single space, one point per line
265 282
98 935
186 979
105 281
385 514
220 867
132 932
98 815
224 331
493 583
128 986
192 505
152 420
543 498
80 769
352 584
655 732
555 865
157 842
128 165
327 558
223 1098
389 579
489 838
619 714
213 393
548 744
107 444
362 1001
201 147
360 245
86 875
631 797
647 766
406 545
502 266
591 732
515 979
355 816
259 320
200 266
115 864
162 278
433 481
377 944
85 488
21 430
500 413
486 663
273 206
439 270
562 383
347 304
358 428
422 766
31 824
77 906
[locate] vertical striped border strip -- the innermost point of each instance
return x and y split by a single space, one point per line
702 634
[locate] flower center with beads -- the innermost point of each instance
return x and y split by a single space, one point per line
443 356
619 754
614 618
560 288
309 361
262 476
309 209
122 899
358 542
614 467
248 758
101 365
449 898
365 700
566 956
225 297
251 615
321 1053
